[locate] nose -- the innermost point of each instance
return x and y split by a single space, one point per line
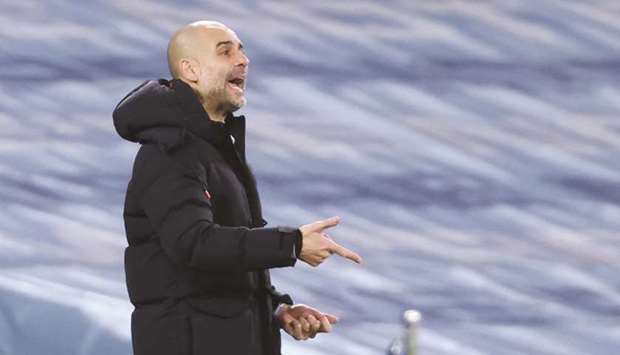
243 59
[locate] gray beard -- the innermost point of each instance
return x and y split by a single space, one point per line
224 104
227 106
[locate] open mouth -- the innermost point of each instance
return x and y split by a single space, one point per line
237 83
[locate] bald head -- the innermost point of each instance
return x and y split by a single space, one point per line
209 57
190 41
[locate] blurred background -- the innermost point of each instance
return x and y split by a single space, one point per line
472 149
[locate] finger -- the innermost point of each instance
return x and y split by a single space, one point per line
317 314
331 318
297 330
289 329
344 252
327 223
295 335
305 325
325 325
311 334
315 323
318 261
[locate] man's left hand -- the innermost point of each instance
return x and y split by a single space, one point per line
303 322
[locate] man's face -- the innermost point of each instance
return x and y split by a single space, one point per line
224 69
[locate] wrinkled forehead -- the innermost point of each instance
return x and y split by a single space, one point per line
212 37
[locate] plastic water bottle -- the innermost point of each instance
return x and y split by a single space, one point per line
407 343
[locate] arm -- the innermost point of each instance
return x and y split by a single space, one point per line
278 298
181 214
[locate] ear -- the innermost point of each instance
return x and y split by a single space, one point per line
189 69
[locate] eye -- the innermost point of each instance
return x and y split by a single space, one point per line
226 52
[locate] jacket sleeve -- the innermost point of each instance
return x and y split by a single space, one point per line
181 214
278 297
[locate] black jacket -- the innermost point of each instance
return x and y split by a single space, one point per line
198 254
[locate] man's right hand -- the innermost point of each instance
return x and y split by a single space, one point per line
317 246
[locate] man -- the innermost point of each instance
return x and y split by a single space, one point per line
199 252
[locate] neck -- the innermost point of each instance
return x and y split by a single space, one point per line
216 116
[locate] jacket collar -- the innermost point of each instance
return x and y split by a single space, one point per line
197 121
165 111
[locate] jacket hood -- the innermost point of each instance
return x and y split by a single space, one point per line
166 112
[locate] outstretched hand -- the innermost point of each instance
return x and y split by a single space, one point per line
302 322
317 246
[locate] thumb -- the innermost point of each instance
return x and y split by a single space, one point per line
328 223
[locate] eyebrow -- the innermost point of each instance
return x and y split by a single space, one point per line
226 43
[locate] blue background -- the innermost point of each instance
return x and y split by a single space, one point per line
470 147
